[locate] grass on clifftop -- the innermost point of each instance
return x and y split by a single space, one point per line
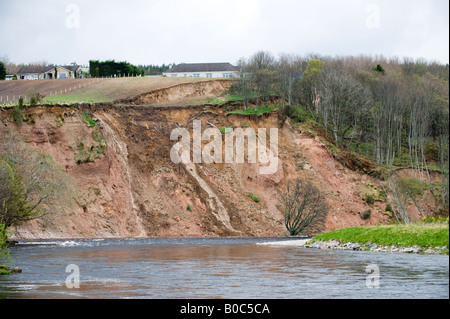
427 235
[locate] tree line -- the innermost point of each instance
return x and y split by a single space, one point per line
394 111
112 68
154 69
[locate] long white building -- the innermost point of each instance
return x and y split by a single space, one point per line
203 70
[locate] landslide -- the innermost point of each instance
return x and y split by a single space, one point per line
133 189
182 94
118 157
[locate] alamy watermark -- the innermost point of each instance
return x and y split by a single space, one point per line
73 279
257 149
373 279
73 19
373 19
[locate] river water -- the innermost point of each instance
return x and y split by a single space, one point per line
230 268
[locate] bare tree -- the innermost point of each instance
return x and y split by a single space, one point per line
400 199
289 70
304 208
245 85
262 71
262 60
310 86
344 104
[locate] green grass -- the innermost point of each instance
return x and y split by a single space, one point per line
225 98
88 120
86 96
258 110
422 235
225 129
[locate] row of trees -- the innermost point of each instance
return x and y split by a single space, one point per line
395 111
153 69
2 71
113 68
97 68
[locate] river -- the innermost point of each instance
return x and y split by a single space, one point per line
230 268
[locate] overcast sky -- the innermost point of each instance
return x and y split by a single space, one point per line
166 31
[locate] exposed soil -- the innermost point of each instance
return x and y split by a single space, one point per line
136 191
184 93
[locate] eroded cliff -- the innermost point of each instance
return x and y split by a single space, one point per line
127 185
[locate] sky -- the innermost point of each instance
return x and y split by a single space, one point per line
195 31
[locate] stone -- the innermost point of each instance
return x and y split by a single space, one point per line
5 270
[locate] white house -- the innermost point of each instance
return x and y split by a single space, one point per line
61 72
203 70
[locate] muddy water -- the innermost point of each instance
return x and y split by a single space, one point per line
216 268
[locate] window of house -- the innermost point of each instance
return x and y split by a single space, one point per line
227 75
174 75
209 75
196 75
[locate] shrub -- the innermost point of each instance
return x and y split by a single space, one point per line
34 97
369 199
432 152
188 208
226 129
4 250
33 101
366 214
254 197
88 120
413 186
389 208
17 114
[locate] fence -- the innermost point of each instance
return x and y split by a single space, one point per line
10 99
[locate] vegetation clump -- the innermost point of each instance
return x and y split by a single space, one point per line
254 197
431 235
366 214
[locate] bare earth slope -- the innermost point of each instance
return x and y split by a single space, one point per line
127 186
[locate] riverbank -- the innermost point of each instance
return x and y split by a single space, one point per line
413 238
432 239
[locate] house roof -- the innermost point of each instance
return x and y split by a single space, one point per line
71 67
34 70
202 67
27 70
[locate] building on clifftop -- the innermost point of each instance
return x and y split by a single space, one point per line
203 70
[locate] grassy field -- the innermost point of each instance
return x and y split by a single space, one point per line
422 235
111 90
87 90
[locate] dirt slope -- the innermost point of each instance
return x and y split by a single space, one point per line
127 186
136 191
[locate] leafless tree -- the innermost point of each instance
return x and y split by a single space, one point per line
290 69
304 208
345 102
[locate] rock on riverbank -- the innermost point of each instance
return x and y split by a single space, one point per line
336 245
6 270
